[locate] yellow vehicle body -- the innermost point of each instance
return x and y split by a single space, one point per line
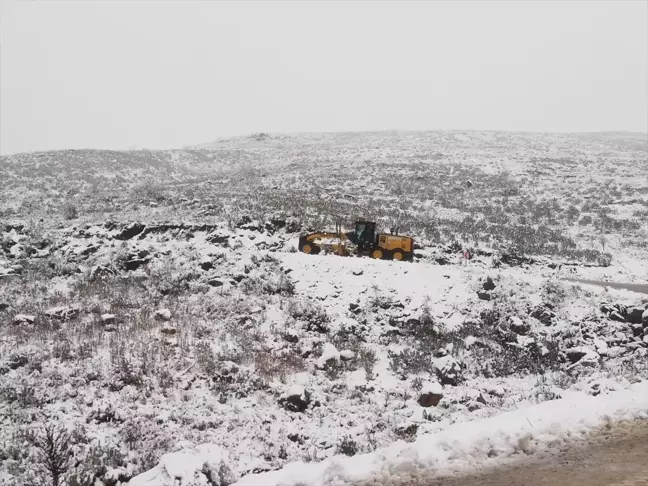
362 241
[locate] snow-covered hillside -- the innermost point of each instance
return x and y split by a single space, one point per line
165 315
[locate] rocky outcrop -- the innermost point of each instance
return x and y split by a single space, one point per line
430 395
544 314
295 399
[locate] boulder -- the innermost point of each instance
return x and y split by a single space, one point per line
135 263
488 284
215 282
3 306
448 370
163 315
431 394
295 399
218 238
582 355
24 319
635 315
206 264
330 356
16 361
617 316
519 327
108 318
62 313
644 318
130 231
484 295
544 314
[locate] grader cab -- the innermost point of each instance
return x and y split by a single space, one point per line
362 241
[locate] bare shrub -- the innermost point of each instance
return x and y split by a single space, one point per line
53 444
70 211
347 446
150 191
269 364
605 260
315 317
411 362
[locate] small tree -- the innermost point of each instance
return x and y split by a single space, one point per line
53 445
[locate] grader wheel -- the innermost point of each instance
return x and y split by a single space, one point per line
378 254
398 255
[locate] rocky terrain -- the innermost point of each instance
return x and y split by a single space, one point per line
154 302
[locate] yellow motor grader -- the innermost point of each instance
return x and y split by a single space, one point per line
362 241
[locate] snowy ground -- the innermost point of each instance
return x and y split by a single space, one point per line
469 446
175 324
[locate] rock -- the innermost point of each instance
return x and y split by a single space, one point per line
24 319
16 361
644 318
330 356
601 347
163 315
519 327
291 336
295 399
134 264
206 264
634 315
431 394
215 282
637 329
168 330
576 354
62 313
407 433
616 316
354 308
645 339
488 284
87 250
218 238
581 355
448 370
3 306
108 318
101 271
544 314
357 272
347 355
484 295
606 308
130 231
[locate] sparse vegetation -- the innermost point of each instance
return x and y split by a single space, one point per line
145 332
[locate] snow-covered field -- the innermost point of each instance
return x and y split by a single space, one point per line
156 320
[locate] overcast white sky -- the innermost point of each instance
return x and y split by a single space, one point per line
161 74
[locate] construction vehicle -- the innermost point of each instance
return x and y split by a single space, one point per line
362 241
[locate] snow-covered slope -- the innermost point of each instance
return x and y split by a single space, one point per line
167 308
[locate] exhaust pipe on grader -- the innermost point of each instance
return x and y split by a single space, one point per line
363 241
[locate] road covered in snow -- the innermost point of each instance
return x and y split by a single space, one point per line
538 431
616 456
633 287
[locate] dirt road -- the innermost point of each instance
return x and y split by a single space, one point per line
615 457
641 288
